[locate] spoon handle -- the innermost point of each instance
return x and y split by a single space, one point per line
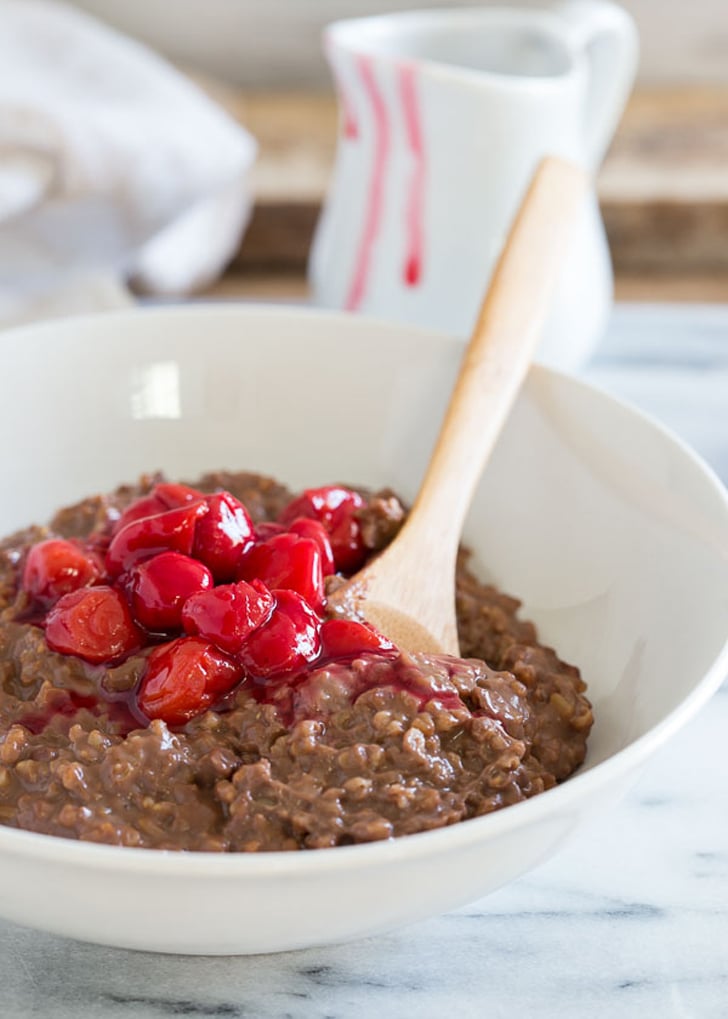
500 349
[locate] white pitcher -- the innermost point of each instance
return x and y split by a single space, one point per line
444 116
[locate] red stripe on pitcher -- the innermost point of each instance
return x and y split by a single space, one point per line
375 199
415 207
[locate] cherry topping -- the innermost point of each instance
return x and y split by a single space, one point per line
173 530
304 527
223 535
348 638
147 506
95 624
163 497
172 495
185 677
287 561
165 555
319 504
228 614
347 544
159 587
287 642
56 567
335 508
268 529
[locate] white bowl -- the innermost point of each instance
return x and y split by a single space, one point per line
612 532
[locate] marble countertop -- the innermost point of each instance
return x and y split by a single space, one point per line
630 919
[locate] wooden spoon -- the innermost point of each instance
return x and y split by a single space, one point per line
408 592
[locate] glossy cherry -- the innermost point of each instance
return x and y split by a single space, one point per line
348 638
93 623
172 495
345 535
268 529
319 504
159 587
163 497
305 527
183 678
287 561
223 535
173 530
57 567
289 641
335 508
228 614
146 506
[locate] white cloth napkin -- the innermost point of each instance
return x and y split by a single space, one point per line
112 165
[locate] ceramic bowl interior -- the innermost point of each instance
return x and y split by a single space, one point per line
611 532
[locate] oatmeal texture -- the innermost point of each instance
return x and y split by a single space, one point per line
353 753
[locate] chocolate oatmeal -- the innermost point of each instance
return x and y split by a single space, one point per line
169 679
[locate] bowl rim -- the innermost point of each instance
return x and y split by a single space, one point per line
174 864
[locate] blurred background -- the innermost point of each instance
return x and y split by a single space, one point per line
277 44
663 188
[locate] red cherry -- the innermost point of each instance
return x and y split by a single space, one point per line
347 638
335 508
228 614
304 527
223 535
172 495
183 678
162 497
319 504
268 529
94 624
347 543
287 642
56 567
159 587
125 583
287 561
147 506
173 530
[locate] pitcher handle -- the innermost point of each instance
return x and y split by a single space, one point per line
607 36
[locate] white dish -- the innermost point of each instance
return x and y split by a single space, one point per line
613 533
